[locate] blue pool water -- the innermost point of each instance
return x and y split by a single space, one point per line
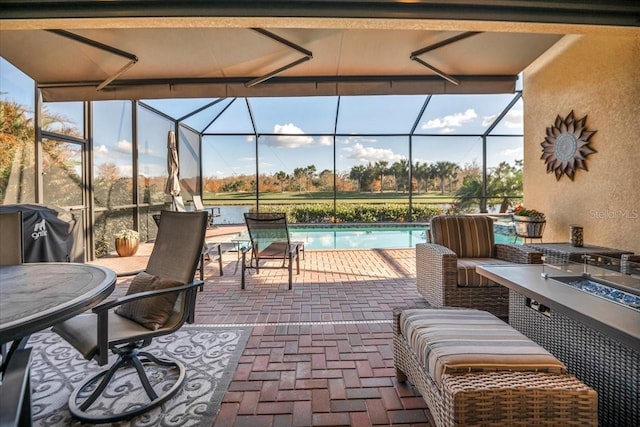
365 237
369 237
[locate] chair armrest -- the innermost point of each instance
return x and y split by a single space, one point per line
436 272
142 295
438 251
102 312
518 254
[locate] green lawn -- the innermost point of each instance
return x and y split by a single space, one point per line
326 197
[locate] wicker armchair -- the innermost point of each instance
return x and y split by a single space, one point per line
445 267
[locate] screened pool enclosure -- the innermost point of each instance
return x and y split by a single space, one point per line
107 160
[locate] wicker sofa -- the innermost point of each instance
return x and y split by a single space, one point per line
471 377
445 267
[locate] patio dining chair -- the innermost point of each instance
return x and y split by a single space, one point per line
269 240
159 301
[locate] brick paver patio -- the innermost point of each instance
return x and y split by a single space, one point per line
320 354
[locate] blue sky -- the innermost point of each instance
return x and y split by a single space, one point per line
290 128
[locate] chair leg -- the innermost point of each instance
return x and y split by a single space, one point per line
82 410
290 271
107 376
244 268
220 259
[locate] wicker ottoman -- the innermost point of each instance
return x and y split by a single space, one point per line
473 369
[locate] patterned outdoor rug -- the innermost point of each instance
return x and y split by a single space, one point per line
210 355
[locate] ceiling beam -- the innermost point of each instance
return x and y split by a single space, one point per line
133 59
307 55
278 86
414 55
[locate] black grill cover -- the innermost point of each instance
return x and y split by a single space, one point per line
50 234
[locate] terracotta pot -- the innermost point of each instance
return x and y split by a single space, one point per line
126 246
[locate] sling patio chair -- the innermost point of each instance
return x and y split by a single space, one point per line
199 206
269 240
159 301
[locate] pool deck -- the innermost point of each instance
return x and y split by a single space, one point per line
320 354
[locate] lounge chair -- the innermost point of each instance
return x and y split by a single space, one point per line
199 206
269 235
159 301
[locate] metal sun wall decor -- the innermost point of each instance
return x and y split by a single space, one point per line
566 146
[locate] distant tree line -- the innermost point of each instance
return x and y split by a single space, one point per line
443 177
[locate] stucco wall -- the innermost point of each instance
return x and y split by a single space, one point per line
598 76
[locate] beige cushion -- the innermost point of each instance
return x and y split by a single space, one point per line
153 312
450 341
467 275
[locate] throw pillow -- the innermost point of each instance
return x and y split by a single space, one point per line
152 313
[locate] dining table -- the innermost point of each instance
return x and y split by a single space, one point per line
33 297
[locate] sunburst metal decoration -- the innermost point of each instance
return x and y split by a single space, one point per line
566 146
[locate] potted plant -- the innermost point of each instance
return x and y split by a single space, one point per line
529 223
127 242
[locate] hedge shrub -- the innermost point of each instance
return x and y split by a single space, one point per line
323 212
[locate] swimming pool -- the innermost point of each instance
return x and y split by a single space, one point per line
359 237
368 236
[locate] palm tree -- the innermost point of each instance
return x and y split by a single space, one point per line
445 170
421 173
505 181
400 171
380 169
453 170
357 174
282 178
468 196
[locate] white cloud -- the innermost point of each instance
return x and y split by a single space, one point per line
326 140
294 137
488 120
370 154
101 151
289 128
513 120
451 121
352 139
513 153
124 146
